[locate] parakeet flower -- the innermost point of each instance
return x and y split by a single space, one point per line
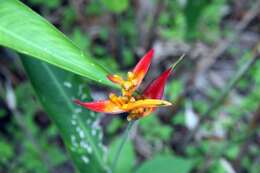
137 105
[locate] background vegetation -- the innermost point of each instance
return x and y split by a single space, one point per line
212 127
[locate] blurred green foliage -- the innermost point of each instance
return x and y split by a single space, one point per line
158 133
127 160
48 3
186 21
166 164
116 6
20 152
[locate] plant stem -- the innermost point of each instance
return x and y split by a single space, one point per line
125 137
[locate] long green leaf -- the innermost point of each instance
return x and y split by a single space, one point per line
167 164
79 128
27 32
127 160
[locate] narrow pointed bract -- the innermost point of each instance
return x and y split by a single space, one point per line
105 106
143 65
137 105
156 88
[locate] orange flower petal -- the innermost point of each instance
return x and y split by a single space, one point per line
146 103
142 66
105 106
115 79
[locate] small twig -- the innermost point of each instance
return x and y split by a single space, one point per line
124 139
241 72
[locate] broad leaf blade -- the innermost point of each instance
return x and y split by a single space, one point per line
25 31
166 164
78 127
127 157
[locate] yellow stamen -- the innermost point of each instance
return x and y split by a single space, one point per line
129 118
127 85
139 113
119 101
130 75
132 99
134 82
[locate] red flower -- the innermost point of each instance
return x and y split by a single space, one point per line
137 105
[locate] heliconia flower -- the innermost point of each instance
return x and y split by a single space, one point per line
137 105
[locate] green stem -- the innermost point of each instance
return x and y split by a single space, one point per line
125 137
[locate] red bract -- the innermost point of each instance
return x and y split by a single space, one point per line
156 88
137 105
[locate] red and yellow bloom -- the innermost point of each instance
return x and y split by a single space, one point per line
137 105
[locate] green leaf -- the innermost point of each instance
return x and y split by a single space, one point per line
48 3
166 164
114 125
116 6
159 132
174 89
2 113
80 39
56 90
126 161
6 151
193 11
232 152
26 32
